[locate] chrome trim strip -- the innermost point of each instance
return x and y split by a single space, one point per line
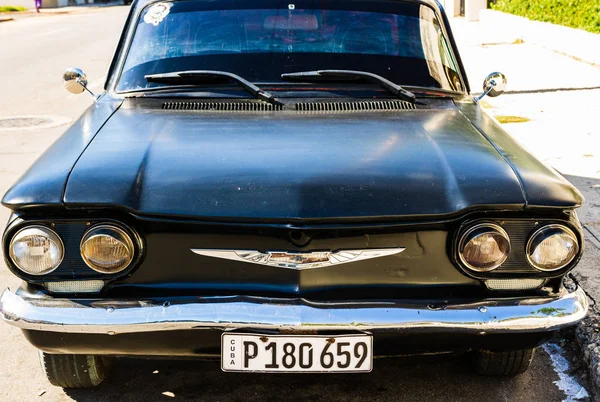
299 260
101 316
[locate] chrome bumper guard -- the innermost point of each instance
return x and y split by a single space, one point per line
112 317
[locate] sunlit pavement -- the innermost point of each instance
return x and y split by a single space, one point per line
543 87
562 131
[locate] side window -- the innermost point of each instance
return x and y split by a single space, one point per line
440 62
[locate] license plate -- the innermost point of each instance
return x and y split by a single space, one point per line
296 353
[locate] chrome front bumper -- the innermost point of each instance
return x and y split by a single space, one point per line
43 313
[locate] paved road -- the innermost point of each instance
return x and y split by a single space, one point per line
440 379
33 53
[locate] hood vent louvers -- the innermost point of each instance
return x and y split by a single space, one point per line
354 106
222 106
310 106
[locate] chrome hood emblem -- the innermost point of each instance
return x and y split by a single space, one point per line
299 260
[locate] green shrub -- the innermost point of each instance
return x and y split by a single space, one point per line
583 14
8 9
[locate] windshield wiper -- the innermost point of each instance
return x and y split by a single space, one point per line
332 75
205 76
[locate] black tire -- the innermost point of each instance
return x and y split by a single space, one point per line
74 371
503 363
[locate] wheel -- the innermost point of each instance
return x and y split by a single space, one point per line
74 371
503 363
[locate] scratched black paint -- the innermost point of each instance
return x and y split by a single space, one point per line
289 165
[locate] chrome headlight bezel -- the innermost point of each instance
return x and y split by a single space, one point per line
533 241
71 230
466 237
51 234
117 232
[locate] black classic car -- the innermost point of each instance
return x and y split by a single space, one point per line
255 185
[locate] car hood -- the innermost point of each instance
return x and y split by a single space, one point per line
291 165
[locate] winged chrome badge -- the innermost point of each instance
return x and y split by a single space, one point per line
299 260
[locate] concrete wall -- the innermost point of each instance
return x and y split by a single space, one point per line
22 3
45 3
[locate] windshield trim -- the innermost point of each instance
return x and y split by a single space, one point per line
124 46
280 91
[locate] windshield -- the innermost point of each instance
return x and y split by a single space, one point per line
262 39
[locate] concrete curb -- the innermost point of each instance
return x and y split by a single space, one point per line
576 43
587 335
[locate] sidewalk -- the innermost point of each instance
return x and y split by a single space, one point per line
554 83
576 43
487 46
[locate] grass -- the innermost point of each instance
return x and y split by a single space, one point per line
512 119
11 9
581 14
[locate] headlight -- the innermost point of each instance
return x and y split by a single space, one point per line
36 250
107 249
484 247
552 247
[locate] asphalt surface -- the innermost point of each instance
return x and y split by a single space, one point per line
33 53
433 378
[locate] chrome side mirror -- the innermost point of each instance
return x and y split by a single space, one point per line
75 81
493 85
